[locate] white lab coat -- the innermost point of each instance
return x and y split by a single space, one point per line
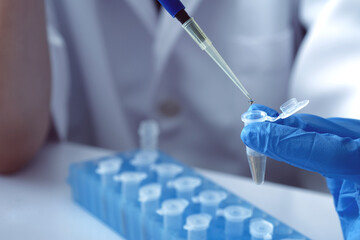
121 63
327 68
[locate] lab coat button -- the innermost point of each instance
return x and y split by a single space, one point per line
169 108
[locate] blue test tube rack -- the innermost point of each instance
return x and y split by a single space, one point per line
167 201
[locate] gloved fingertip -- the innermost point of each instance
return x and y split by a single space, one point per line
269 111
255 106
244 135
250 134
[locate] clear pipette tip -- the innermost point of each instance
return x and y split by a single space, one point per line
215 55
198 35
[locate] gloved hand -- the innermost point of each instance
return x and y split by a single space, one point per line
330 147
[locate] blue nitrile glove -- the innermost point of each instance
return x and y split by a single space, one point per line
330 147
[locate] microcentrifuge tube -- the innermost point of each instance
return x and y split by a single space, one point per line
148 154
261 229
185 186
172 211
148 133
257 161
107 168
149 197
235 217
210 200
130 182
166 172
197 225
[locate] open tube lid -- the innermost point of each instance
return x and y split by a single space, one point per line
289 108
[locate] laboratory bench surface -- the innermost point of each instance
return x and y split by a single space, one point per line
36 203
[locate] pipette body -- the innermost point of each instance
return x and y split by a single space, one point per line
177 9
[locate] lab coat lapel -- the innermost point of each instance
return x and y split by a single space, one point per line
110 122
146 11
167 33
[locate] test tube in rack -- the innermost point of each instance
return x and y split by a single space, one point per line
235 217
166 172
107 169
149 197
172 211
185 186
260 229
129 222
197 226
210 200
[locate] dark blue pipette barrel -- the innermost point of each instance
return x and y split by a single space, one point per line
172 6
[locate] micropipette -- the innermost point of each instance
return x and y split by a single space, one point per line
177 9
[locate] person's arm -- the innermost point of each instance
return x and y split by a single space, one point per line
24 82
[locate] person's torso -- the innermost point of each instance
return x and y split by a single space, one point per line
125 69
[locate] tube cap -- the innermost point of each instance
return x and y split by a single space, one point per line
253 116
260 228
197 222
289 108
144 158
109 166
235 213
150 192
167 169
292 106
130 177
173 207
210 197
185 183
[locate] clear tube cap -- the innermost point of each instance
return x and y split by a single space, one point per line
173 207
197 222
210 197
235 213
260 228
185 183
130 177
289 108
167 169
109 166
150 192
144 158
254 116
